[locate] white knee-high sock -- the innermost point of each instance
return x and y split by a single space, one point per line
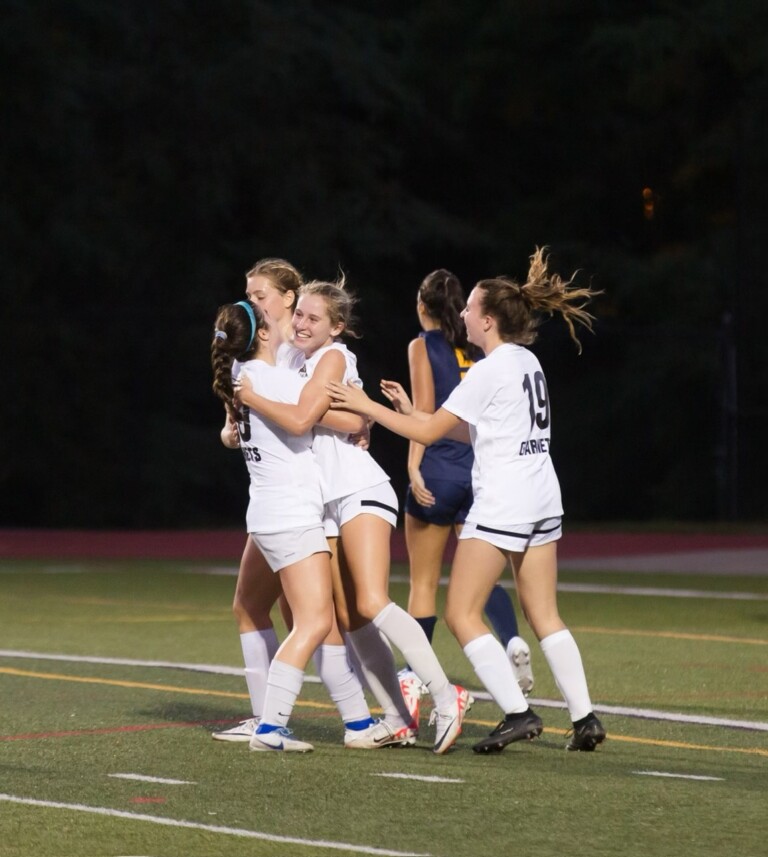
494 670
403 631
564 660
376 663
259 648
283 686
341 682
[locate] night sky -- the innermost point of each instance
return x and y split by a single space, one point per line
152 153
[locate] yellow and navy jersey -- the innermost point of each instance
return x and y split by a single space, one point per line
446 459
463 362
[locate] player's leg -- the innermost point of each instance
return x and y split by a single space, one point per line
536 579
477 567
426 545
308 589
256 591
366 540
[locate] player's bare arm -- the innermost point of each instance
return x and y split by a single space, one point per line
423 428
313 403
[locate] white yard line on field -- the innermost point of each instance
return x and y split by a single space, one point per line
678 776
217 669
642 713
143 778
611 589
604 589
211 828
420 779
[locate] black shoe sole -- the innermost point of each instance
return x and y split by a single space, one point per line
587 744
495 744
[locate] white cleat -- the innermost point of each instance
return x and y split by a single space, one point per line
448 724
519 655
242 732
281 740
378 734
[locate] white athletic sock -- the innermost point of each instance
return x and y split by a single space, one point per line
259 648
403 631
564 660
376 663
341 682
494 670
283 686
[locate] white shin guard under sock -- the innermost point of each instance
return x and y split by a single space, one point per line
283 686
490 662
376 663
259 647
564 660
341 682
403 631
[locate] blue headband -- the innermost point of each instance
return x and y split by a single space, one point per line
252 317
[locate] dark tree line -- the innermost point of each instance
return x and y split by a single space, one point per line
151 152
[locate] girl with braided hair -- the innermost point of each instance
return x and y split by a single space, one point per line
502 407
285 525
284 515
273 285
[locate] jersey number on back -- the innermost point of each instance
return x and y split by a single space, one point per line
538 400
244 425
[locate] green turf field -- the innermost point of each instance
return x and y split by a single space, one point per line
692 784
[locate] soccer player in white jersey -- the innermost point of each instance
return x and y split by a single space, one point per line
284 515
361 502
277 283
273 284
502 406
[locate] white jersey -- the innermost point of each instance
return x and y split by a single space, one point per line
345 468
504 400
285 490
289 355
286 355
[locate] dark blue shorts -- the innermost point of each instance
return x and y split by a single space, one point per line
452 502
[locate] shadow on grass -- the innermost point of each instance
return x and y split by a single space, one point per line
190 712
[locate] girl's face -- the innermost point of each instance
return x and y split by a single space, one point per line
474 320
312 328
275 305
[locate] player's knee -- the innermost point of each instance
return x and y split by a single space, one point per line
369 606
318 628
463 624
452 620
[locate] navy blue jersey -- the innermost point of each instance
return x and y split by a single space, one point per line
446 459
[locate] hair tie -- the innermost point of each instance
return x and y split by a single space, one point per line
249 309
220 334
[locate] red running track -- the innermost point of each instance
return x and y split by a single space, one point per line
227 545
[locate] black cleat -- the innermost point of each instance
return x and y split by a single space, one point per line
587 736
514 727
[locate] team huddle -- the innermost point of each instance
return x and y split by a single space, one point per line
321 509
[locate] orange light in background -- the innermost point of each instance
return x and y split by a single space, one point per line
649 203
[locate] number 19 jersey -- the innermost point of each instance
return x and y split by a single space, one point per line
504 400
